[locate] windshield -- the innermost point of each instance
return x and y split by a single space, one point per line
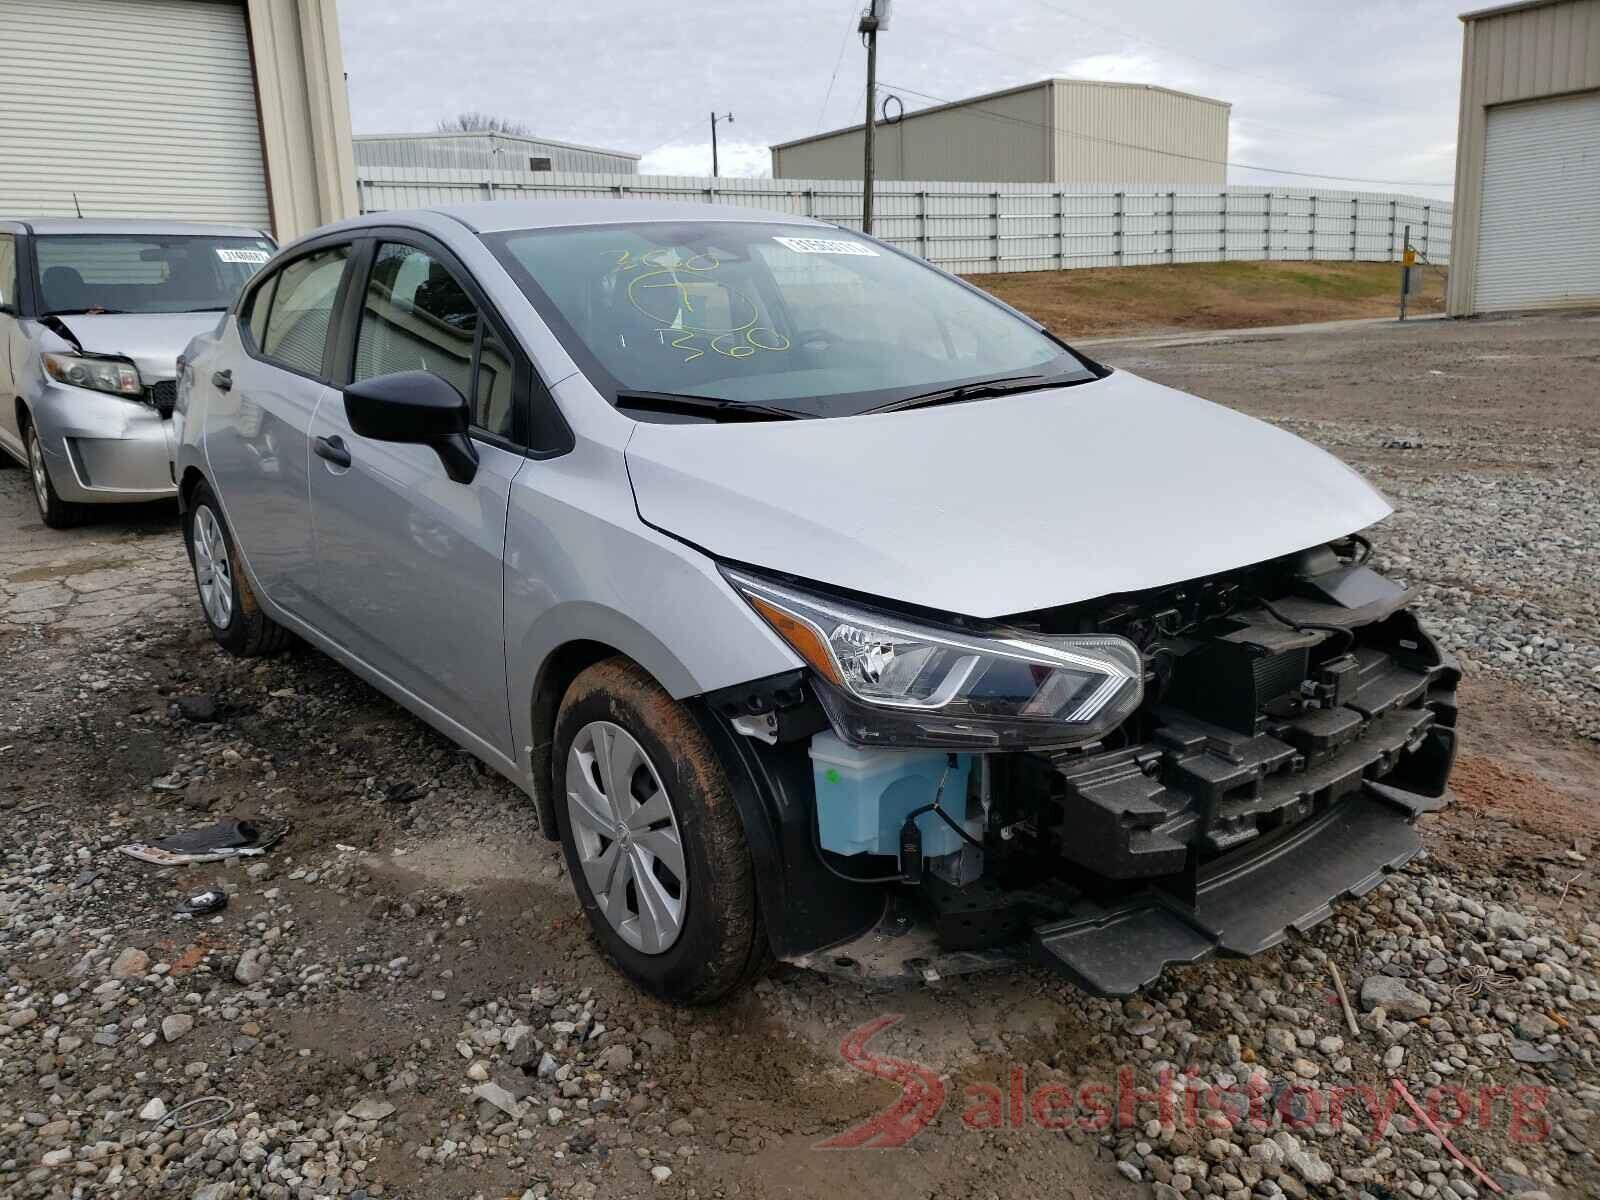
819 322
143 273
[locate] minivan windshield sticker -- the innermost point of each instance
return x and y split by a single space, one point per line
229 254
804 245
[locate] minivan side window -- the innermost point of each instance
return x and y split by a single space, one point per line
253 316
8 272
416 316
296 331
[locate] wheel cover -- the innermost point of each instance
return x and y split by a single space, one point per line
41 477
212 570
627 838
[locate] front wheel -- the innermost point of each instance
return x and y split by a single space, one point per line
652 837
53 510
236 620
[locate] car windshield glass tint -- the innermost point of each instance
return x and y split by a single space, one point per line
144 273
817 321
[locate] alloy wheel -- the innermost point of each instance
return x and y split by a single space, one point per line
627 837
41 477
212 569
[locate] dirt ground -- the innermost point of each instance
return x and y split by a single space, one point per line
400 845
1108 301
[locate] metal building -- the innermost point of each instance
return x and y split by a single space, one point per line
202 110
1527 215
1054 131
488 152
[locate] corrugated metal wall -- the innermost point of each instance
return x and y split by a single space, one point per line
1102 129
978 228
1060 131
1524 53
1006 138
483 152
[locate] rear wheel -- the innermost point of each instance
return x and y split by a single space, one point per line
236 620
652 838
53 510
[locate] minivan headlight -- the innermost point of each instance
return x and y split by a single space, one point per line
115 375
885 680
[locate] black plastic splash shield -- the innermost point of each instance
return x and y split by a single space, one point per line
1247 907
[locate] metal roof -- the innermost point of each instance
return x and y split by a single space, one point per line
54 225
1011 91
1501 10
530 139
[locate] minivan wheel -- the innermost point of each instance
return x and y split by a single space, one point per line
652 838
53 510
236 620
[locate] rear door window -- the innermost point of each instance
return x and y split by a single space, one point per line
295 334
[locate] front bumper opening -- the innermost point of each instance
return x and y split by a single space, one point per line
1274 771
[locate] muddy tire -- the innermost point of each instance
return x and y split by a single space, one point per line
226 601
53 510
653 839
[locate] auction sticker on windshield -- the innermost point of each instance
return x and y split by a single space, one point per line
254 257
806 245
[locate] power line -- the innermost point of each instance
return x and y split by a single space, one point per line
843 42
1218 162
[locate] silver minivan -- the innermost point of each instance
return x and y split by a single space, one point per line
93 315
826 607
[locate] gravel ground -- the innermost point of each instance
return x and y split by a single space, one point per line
401 1000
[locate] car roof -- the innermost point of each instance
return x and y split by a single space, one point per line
498 216
55 225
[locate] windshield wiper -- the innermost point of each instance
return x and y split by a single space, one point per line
94 310
708 406
206 308
970 391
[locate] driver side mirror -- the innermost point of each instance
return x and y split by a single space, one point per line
416 407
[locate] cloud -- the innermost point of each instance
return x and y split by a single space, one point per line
742 160
1121 68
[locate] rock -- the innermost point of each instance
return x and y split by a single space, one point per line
1533 1026
1309 1167
659 1040
200 709
56 1158
175 1026
130 964
615 1058
496 1095
1129 1172
682 1127
252 966
1399 1000
154 1110
371 1108
1506 923
22 1018
661 1174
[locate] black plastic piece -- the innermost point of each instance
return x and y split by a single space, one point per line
911 851
787 696
803 905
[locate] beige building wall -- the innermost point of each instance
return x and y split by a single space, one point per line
1189 135
305 113
1520 52
1055 131
1005 140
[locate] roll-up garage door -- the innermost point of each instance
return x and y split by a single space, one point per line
144 108
1539 234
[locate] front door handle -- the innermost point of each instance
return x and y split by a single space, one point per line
333 449
222 380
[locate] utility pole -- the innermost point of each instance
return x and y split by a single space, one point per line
728 117
875 17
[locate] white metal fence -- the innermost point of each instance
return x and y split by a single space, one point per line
978 228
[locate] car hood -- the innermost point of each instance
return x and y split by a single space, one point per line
1003 505
152 340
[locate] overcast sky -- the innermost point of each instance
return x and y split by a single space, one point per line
1356 88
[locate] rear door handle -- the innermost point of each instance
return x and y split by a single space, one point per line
333 449
222 380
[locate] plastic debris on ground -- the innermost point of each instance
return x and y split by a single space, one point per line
228 838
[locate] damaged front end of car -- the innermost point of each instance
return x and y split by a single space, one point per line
1107 787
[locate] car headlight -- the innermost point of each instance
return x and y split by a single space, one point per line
115 375
885 680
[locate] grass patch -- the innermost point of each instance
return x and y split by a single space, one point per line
1106 301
